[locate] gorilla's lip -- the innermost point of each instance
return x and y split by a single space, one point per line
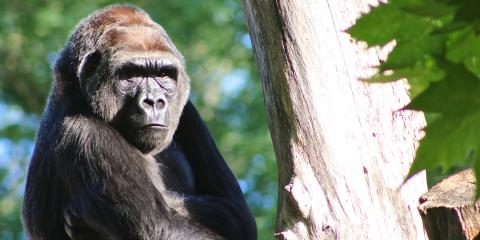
155 125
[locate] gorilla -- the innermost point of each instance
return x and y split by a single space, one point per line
120 152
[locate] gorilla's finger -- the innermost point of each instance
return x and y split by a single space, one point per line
69 231
73 220
81 234
68 216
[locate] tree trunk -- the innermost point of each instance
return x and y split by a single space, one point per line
449 211
342 148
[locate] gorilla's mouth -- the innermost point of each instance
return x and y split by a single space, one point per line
156 126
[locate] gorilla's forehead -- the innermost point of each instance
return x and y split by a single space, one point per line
118 15
137 38
123 28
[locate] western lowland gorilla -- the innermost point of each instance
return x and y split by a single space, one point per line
121 153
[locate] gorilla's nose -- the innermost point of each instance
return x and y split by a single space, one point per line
152 101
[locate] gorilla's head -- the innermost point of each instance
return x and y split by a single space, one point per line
128 73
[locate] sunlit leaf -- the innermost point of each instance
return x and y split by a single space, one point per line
438 52
387 22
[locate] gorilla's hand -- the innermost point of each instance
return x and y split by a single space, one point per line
77 229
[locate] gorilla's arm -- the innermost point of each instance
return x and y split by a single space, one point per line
213 197
218 203
175 170
103 177
114 188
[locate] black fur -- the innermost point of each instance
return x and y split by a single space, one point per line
94 157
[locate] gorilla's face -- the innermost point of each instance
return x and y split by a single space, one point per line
137 83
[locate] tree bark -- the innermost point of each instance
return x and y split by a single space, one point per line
449 211
342 147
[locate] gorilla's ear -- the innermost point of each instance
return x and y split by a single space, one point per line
88 65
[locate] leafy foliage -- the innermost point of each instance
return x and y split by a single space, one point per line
438 51
213 37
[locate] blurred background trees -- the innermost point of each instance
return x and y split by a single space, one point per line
213 37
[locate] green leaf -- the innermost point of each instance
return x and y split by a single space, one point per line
449 141
419 78
452 138
432 9
456 93
438 51
464 47
463 44
385 77
417 51
387 22
468 11
472 63
476 168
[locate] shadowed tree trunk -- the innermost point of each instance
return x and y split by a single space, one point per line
342 148
449 211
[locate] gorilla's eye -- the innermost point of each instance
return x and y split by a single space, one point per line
168 71
148 68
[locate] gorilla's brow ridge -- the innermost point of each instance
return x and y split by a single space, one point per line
147 67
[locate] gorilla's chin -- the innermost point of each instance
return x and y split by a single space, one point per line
150 140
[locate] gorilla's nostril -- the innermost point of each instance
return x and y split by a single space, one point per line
149 102
161 103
